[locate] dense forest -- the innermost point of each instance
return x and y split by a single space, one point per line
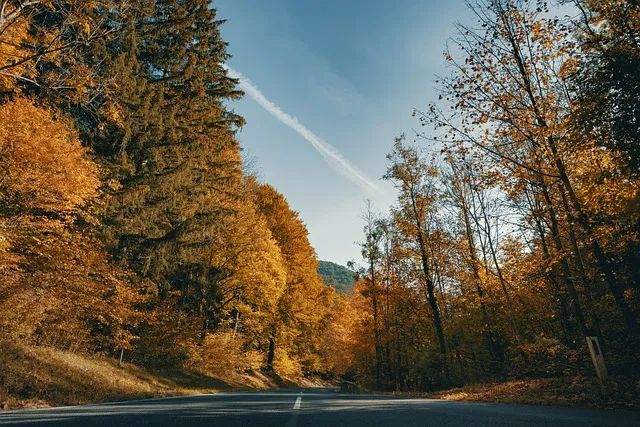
130 229
516 230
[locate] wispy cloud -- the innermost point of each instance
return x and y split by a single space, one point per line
329 153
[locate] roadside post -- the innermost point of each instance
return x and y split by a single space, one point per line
598 360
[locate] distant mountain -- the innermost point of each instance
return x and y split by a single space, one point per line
338 276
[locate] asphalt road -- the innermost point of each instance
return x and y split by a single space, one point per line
310 408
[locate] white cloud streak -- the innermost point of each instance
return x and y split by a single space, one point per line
329 153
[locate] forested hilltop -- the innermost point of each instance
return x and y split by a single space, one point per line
138 256
336 275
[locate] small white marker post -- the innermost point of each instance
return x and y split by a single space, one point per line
598 360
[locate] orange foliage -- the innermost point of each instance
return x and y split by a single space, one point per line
11 51
42 163
64 292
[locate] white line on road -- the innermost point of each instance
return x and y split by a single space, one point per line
293 421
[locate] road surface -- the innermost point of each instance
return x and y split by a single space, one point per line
310 408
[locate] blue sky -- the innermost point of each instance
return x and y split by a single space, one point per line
347 71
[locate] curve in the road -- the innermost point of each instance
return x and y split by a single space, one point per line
311 408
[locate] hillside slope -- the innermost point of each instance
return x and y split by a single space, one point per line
35 376
338 276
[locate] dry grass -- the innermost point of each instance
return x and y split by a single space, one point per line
575 391
43 376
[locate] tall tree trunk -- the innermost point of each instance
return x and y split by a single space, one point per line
602 261
376 321
564 264
445 304
494 257
582 269
475 269
271 353
431 296
553 278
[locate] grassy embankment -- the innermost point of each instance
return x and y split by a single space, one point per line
43 376
578 391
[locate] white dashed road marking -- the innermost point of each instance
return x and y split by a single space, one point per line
293 421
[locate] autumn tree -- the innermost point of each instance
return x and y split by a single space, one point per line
460 188
44 166
414 180
514 104
527 210
58 286
372 254
296 334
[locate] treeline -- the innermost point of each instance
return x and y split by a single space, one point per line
516 230
128 226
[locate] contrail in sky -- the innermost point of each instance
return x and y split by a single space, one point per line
330 154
